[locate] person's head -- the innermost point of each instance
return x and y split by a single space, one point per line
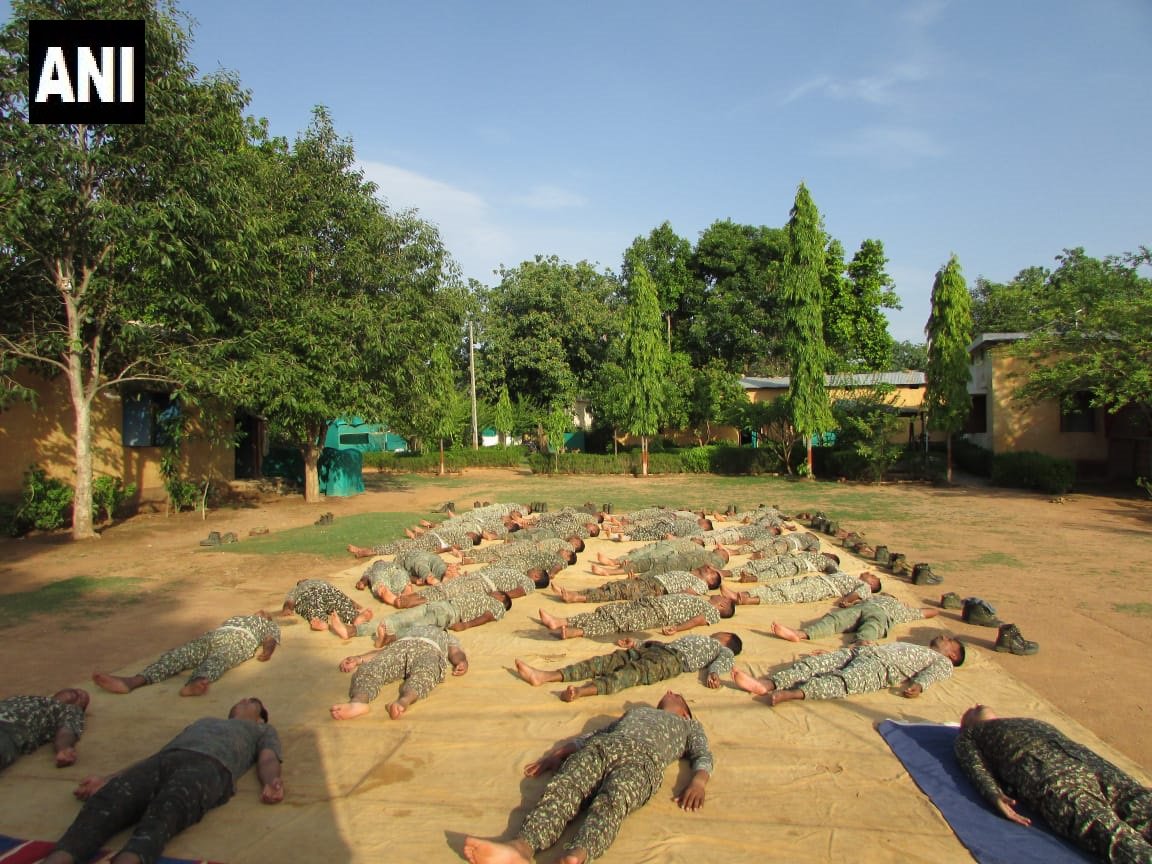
812 538
975 715
576 542
872 581
249 709
833 565
705 523
72 696
555 568
260 613
706 572
475 537
726 607
950 647
730 641
712 578
676 704
723 553
568 556
539 577
512 527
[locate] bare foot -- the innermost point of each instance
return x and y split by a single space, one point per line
578 855
778 696
339 627
111 683
318 624
551 621
725 591
396 710
749 684
479 851
566 632
348 710
362 617
360 551
569 596
195 687
782 632
533 676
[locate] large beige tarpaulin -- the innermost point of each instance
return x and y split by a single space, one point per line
808 781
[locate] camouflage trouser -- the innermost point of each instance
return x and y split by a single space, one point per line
162 795
319 603
869 621
418 663
208 656
629 667
623 778
624 589
833 675
9 746
613 618
437 613
804 591
1104 811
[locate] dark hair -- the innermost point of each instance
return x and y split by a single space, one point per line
833 556
879 585
476 537
729 607
735 643
576 542
539 577
960 661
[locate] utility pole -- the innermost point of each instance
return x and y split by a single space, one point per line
472 388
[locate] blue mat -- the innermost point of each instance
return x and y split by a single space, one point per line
926 751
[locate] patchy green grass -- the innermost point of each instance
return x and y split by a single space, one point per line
78 596
996 559
1144 610
365 529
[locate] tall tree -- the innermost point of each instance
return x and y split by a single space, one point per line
645 362
804 328
668 257
502 416
854 325
438 408
949 332
120 245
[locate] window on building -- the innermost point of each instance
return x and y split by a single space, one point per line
145 416
978 414
1077 413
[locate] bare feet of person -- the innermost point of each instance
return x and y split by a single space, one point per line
778 696
576 856
339 627
568 596
479 851
751 685
362 617
396 710
360 551
725 591
782 632
348 710
318 624
195 687
566 632
533 676
111 683
551 621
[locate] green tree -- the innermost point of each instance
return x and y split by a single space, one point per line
668 257
645 363
1016 306
503 418
544 331
803 330
949 332
910 355
437 407
855 328
121 247
715 394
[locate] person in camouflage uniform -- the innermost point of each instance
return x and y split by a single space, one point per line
419 658
657 549
27 722
785 566
662 527
462 612
209 656
425 567
682 558
325 607
671 613
733 535
438 540
863 669
495 580
173 789
1082 796
619 767
672 582
385 576
525 553
846 590
646 663
870 620
786 544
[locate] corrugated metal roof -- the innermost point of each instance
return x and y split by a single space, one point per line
907 378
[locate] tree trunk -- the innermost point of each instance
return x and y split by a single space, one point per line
311 453
643 455
82 528
948 461
442 470
811 474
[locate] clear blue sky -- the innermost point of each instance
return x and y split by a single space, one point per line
1001 131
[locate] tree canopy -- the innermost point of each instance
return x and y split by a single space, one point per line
949 332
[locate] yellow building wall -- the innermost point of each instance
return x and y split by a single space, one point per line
1016 426
900 397
42 433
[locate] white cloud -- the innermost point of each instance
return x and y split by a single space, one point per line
545 197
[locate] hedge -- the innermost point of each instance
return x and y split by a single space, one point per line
1030 470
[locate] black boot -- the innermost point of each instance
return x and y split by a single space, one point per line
1012 641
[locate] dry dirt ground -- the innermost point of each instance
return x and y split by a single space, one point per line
1073 573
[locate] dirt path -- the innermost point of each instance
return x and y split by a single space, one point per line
1074 575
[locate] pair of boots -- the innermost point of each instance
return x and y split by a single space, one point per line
1009 639
538 507
215 538
326 519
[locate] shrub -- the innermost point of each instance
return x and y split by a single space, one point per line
1030 470
108 496
745 460
45 503
454 460
697 460
971 457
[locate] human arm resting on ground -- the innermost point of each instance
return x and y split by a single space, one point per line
458 660
356 660
266 649
551 760
694 621
64 744
849 600
972 762
268 770
483 618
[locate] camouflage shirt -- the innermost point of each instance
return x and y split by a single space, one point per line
34 720
660 735
388 574
698 652
681 582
